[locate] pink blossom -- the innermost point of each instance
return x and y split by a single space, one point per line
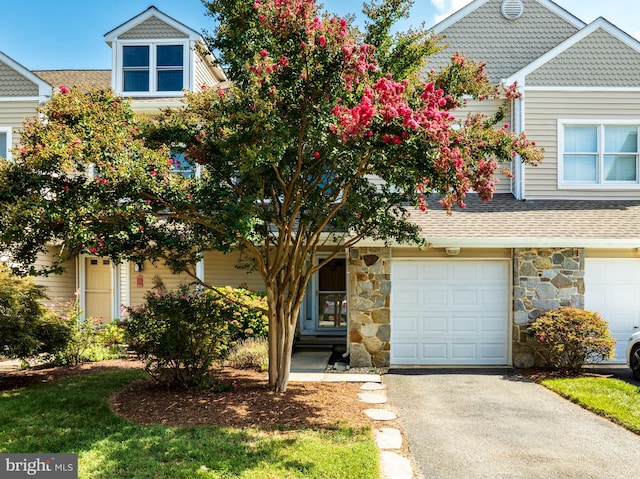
64 90
322 41
316 155
153 172
264 53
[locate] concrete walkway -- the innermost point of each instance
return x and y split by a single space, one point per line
495 424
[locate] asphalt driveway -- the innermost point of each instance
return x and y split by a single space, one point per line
492 423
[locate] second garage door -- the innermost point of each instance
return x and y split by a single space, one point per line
449 312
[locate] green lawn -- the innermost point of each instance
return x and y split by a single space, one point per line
612 398
72 416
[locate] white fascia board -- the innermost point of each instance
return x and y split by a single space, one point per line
113 35
514 243
600 22
623 89
44 89
463 12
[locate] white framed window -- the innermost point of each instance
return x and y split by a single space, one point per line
598 154
153 68
5 142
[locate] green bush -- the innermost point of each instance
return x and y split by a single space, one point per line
27 328
89 340
573 337
245 311
180 335
252 353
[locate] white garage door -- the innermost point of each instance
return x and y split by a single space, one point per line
449 312
612 288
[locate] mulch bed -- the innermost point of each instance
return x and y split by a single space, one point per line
250 404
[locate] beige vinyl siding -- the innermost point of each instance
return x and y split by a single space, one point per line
627 253
489 108
152 276
542 111
152 28
203 75
13 114
61 288
465 253
220 270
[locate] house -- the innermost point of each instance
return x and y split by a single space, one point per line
565 233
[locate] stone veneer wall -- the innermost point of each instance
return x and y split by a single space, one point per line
544 279
369 286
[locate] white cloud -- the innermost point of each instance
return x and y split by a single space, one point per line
447 7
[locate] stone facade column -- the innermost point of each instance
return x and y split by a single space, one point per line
369 285
544 279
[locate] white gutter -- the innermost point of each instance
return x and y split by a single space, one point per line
514 243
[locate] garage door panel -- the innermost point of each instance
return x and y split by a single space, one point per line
406 324
464 271
612 288
433 353
464 298
436 297
464 352
434 272
406 353
463 319
434 324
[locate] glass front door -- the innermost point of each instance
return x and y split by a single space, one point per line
332 296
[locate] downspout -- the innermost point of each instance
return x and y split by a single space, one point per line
518 121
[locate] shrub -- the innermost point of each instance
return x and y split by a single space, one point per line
180 335
573 337
252 353
27 328
89 340
245 311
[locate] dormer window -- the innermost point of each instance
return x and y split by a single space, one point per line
156 56
152 68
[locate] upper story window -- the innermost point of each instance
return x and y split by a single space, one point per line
599 154
5 142
152 68
183 166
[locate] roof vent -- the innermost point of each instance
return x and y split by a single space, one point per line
512 9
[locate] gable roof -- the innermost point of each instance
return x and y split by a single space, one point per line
18 81
509 223
92 78
466 10
481 33
149 15
553 54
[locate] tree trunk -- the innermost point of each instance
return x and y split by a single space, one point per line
282 328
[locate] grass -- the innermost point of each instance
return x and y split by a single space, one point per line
72 416
614 399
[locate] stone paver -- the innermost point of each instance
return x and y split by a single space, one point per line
381 414
394 466
372 398
372 387
388 438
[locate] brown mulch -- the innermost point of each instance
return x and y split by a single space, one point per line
249 404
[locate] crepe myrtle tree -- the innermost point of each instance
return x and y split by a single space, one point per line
314 109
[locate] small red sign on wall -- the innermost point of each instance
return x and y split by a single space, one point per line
140 281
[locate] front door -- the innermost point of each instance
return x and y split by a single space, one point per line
325 309
98 299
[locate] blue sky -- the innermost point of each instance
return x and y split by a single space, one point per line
68 34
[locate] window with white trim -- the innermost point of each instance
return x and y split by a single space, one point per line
153 68
5 142
599 154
